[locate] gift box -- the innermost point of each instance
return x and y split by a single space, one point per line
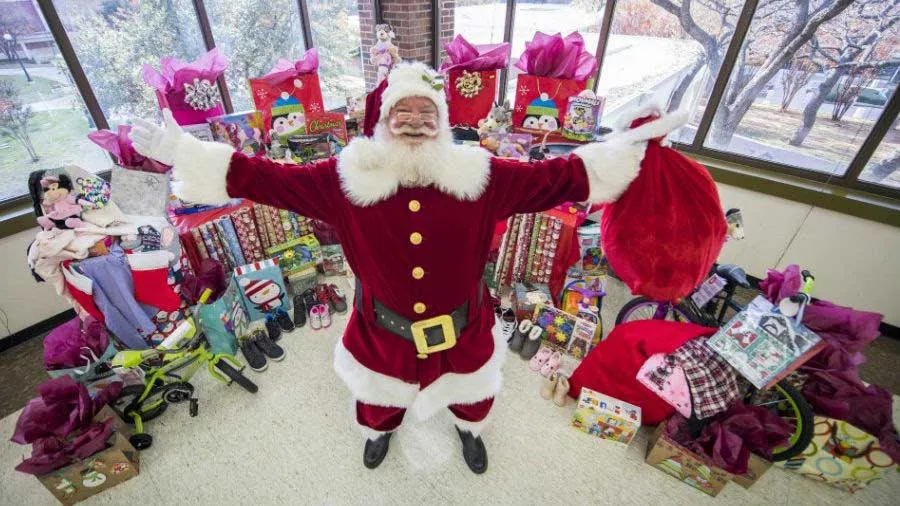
188 89
842 456
297 254
333 260
525 297
606 417
756 467
582 117
118 463
471 76
565 332
285 95
244 131
673 459
328 122
262 289
303 280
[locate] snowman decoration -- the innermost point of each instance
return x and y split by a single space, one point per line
265 294
541 114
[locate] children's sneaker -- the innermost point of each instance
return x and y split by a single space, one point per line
521 335
508 323
310 299
267 346
300 312
332 296
272 327
326 316
254 356
284 321
315 317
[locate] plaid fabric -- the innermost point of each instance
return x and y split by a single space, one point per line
713 383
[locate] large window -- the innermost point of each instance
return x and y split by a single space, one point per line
480 21
336 33
43 120
884 166
806 90
254 35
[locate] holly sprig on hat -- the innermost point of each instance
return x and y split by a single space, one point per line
435 81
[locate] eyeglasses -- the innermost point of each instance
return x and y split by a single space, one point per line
424 117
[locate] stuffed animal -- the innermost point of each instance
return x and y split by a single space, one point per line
384 54
499 120
58 203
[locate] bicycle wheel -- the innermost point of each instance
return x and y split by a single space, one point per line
153 406
788 403
642 308
236 376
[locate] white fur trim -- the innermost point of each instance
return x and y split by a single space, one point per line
476 428
148 260
374 388
406 80
371 170
612 165
200 171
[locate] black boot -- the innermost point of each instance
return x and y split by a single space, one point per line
376 449
474 451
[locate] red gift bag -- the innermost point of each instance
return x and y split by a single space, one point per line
541 102
663 234
470 95
287 94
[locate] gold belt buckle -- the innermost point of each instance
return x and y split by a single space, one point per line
418 331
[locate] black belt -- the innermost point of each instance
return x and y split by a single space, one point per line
430 335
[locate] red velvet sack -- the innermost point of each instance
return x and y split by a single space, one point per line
663 234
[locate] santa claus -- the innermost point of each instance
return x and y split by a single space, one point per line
415 214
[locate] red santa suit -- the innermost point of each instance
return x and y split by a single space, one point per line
416 225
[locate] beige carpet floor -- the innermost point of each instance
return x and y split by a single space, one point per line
294 442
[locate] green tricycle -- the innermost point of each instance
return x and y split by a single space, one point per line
167 370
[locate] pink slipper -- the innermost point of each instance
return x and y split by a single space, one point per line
315 317
540 359
552 364
326 315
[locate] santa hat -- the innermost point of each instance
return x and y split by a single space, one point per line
542 106
252 286
411 79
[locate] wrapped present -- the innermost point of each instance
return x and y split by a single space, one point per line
304 279
328 122
565 332
471 76
188 89
244 131
582 116
675 460
333 260
297 254
287 94
555 69
606 417
526 296
842 456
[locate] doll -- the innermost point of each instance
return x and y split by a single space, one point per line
58 203
499 120
384 54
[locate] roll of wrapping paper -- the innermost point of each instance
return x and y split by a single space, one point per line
275 220
539 250
521 251
198 243
229 237
553 242
510 251
501 253
245 228
260 221
285 220
532 246
221 250
270 226
190 252
305 224
295 224
208 242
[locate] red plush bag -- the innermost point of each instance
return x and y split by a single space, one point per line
663 234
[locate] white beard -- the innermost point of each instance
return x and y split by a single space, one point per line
415 164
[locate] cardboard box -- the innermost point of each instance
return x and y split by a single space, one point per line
679 462
119 462
606 417
526 296
755 468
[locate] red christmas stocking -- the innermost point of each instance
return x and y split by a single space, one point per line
150 272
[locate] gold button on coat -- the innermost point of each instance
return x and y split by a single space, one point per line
418 273
414 206
419 308
415 238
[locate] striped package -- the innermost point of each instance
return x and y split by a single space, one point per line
255 266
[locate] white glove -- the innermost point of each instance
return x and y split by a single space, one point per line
155 142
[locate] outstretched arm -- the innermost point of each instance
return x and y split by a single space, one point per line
212 172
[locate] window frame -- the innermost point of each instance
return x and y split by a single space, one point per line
846 186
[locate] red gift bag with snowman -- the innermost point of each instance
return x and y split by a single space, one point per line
555 69
287 95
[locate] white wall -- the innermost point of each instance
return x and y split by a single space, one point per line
24 301
856 261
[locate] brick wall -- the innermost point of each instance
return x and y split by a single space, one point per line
367 31
447 25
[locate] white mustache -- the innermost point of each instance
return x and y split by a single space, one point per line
411 130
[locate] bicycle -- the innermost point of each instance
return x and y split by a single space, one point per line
167 373
782 398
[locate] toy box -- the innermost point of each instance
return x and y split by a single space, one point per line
582 117
606 417
119 462
328 122
526 296
684 465
333 260
244 131
756 467
565 332
297 254
303 280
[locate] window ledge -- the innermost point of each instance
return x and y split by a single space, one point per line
16 219
835 198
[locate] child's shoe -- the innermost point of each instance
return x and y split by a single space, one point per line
254 357
315 317
284 321
548 387
272 327
541 358
300 312
551 365
508 323
533 343
333 297
325 315
267 346
561 394
515 345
